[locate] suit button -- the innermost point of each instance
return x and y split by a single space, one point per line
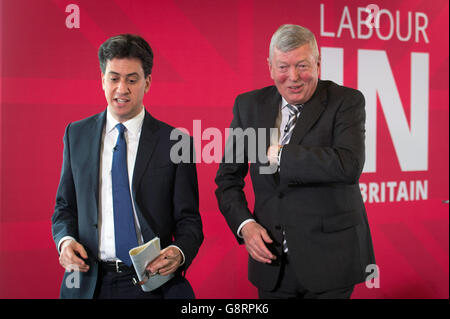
280 195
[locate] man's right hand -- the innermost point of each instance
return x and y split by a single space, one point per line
71 251
255 237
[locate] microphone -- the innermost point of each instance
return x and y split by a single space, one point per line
115 148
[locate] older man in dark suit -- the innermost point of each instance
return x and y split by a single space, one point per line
120 188
308 236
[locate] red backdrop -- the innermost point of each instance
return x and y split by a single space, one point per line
207 52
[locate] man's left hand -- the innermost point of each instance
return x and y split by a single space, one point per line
167 262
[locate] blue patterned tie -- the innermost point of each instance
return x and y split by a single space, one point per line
124 228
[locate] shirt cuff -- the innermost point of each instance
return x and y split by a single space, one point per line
182 254
242 225
61 241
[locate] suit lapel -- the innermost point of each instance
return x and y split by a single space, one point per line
147 145
95 135
267 114
310 114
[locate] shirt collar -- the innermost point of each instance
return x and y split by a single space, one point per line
133 125
283 103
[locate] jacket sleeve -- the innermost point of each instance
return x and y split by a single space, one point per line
230 179
64 219
342 162
188 233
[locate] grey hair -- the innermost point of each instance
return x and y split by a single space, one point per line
289 37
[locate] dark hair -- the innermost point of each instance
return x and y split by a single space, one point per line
126 46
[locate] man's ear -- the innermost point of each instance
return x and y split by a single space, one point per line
148 82
269 64
319 64
103 81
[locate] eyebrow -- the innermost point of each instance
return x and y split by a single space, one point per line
301 61
128 75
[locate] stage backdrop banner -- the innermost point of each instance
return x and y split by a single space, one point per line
206 53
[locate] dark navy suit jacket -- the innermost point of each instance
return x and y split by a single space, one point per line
165 194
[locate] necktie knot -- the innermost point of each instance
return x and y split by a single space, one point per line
121 128
294 109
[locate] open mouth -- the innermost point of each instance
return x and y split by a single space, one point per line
295 88
121 100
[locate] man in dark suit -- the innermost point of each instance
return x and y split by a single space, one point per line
308 236
119 188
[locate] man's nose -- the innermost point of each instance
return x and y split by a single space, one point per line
122 87
294 74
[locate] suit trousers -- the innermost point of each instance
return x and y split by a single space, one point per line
288 287
113 285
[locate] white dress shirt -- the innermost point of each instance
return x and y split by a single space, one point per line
106 244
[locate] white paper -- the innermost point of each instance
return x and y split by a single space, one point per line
141 256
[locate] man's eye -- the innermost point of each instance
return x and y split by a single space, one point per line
114 79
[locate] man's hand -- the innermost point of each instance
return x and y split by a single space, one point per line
71 251
166 263
272 154
255 237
